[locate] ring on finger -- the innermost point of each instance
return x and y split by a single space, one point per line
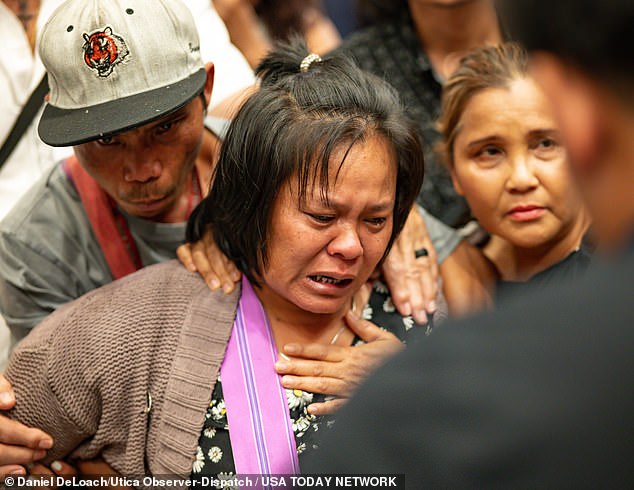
421 252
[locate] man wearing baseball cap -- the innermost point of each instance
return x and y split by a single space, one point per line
128 90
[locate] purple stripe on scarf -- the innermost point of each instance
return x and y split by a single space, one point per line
260 428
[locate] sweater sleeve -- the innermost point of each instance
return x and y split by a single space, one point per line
39 403
86 373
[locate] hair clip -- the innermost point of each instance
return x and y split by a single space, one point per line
309 60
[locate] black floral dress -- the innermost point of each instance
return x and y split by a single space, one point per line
214 456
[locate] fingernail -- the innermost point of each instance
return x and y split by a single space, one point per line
291 348
227 288
214 284
18 471
420 317
45 444
281 366
235 276
287 381
354 314
431 307
312 410
407 309
39 454
6 398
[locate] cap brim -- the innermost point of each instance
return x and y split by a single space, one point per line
67 127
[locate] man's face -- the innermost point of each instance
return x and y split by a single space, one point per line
148 170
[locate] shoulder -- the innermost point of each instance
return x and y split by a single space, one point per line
141 308
44 198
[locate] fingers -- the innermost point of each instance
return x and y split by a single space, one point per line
15 433
213 265
327 407
303 367
62 468
367 331
38 469
95 466
7 397
319 352
11 469
44 475
325 386
413 282
184 254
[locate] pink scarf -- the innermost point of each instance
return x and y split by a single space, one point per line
260 427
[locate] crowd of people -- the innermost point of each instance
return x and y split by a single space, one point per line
408 251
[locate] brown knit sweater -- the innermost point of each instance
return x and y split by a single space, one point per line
85 373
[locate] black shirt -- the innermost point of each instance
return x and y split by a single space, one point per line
392 51
214 455
570 269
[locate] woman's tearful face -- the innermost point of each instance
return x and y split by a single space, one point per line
324 247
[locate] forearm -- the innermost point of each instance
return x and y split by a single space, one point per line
245 32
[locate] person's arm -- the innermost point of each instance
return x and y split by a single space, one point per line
19 445
245 30
32 285
320 32
412 280
468 280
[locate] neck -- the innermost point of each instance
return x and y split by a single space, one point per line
447 32
291 324
526 262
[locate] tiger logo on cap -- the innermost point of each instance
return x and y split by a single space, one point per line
103 50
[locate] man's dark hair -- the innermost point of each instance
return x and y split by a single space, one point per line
595 35
292 126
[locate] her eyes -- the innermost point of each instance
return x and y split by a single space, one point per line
547 147
376 221
490 151
324 219
488 155
321 218
547 144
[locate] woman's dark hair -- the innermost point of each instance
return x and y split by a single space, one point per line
481 69
292 126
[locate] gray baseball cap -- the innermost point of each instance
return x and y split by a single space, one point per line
114 65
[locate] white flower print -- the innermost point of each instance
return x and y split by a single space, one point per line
301 448
224 478
215 454
388 306
302 423
408 321
199 462
367 313
210 432
219 411
298 398
380 287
